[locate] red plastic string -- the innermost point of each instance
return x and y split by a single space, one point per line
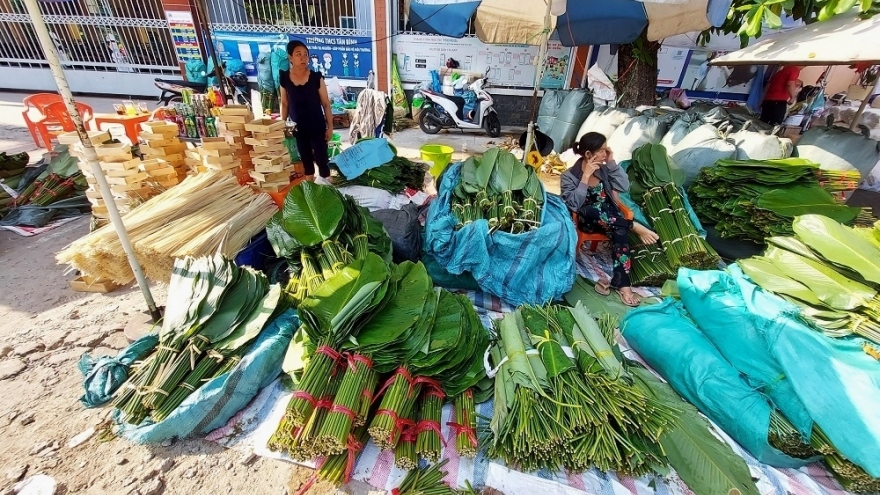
398 372
308 484
428 425
325 403
469 393
353 359
409 435
471 433
395 491
368 394
354 447
431 383
344 410
329 352
399 423
302 394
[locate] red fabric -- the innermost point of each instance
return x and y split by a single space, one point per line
777 88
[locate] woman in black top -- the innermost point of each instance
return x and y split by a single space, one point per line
305 101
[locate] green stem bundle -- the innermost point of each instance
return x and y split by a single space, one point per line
430 437
426 481
348 401
396 406
683 246
465 424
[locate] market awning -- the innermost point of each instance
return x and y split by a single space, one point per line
512 21
842 40
447 18
613 22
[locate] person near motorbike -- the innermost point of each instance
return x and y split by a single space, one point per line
304 100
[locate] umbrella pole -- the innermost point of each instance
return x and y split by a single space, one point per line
861 110
89 150
539 74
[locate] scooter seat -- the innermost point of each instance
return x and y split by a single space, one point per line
459 105
181 82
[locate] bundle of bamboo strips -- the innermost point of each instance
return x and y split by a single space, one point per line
204 215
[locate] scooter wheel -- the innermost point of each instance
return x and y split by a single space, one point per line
493 125
427 125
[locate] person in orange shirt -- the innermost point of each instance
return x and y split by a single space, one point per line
782 90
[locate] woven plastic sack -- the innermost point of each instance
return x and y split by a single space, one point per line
701 148
674 347
279 62
711 114
685 124
215 402
605 121
635 132
718 305
837 148
836 378
195 71
757 146
550 104
573 111
104 376
534 267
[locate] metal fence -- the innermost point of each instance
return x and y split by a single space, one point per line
319 17
97 35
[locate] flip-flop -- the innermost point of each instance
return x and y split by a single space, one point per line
602 289
631 304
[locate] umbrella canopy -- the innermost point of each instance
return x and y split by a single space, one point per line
842 40
512 21
444 17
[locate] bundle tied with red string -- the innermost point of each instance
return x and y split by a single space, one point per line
465 425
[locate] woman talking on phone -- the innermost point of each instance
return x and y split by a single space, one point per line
590 189
304 100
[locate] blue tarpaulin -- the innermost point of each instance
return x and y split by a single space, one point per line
447 19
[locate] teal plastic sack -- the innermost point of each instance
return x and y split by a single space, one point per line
279 62
196 71
717 303
837 379
673 346
550 103
572 113
104 376
534 267
213 404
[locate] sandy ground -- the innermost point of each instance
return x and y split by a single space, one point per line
44 329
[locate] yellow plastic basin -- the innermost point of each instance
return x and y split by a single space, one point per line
438 154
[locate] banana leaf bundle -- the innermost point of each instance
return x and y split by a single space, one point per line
681 242
756 199
13 162
829 270
651 167
394 176
649 265
427 481
319 231
215 310
498 188
564 400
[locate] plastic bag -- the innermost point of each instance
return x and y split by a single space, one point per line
550 104
534 267
701 148
605 121
574 109
405 231
838 148
279 62
683 126
196 71
636 132
215 402
757 146
371 198
674 347
103 376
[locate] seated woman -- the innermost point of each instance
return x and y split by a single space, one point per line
590 189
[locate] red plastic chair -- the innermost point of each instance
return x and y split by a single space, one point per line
38 102
58 120
596 238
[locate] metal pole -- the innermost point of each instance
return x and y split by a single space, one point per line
205 24
539 74
89 151
855 120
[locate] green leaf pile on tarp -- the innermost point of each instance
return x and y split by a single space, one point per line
831 271
652 167
215 310
318 231
394 176
756 199
500 189
682 244
563 399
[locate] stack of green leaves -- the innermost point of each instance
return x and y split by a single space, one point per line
756 199
564 400
650 268
500 189
394 176
831 271
215 310
651 167
318 231
682 244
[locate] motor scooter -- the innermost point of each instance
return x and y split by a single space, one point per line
447 112
236 83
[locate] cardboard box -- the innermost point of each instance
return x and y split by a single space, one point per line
214 143
264 125
265 142
95 137
160 127
235 110
114 152
273 177
128 180
218 160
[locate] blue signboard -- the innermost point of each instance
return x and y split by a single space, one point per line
346 57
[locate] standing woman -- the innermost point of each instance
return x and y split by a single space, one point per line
589 189
304 100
